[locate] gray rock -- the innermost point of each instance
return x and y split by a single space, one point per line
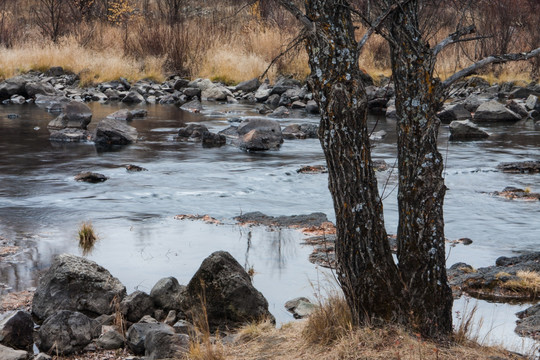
52 103
18 100
147 319
230 298
312 107
168 294
259 134
16 330
521 167
7 353
518 106
55 71
14 86
123 114
112 94
454 112
139 113
301 131
300 307
258 218
42 356
230 132
70 135
161 344
532 102
466 130
184 327
249 85
136 335
66 332
133 97
273 100
77 284
216 93
280 112
472 102
298 105
263 92
114 132
494 111
378 135
171 318
134 306
180 84
521 93
210 139
75 115
391 112
193 106
529 323
110 340
192 132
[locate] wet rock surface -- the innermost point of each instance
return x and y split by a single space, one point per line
522 167
300 221
511 279
513 193
16 330
111 132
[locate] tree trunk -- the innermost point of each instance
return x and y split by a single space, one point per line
366 269
421 243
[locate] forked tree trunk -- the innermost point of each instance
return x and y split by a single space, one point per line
421 244
366 269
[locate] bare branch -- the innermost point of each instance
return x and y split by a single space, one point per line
294 43
453 38
297 13
493 59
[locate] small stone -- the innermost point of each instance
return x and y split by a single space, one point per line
90 177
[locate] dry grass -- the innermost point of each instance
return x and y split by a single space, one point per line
87 237
527 281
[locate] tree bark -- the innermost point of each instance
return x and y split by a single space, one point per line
421 189
366 269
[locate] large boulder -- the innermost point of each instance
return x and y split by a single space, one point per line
55 103
224 288
75 115
136 335
466 130
168 294
66 332
17 330
134 306
494 111
263 92
77 284
13 86
259 134
532 103
216 93
160 344
192 132
114 132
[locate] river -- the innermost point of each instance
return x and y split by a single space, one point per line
41 205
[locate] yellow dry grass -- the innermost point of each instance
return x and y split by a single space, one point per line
288 343
93 66
527 281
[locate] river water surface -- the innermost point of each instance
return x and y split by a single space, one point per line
41 205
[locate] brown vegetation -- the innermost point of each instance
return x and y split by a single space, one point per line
227 41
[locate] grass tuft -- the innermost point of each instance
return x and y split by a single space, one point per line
527 281
87 237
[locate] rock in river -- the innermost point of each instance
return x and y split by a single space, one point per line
495 111
466 130
90 177
114 132
259 135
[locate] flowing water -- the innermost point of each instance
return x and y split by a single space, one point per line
41 205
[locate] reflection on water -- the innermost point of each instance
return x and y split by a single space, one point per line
41 205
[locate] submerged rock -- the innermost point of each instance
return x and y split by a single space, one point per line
512 193
522 167
258 218
466 130
70 135
90 177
